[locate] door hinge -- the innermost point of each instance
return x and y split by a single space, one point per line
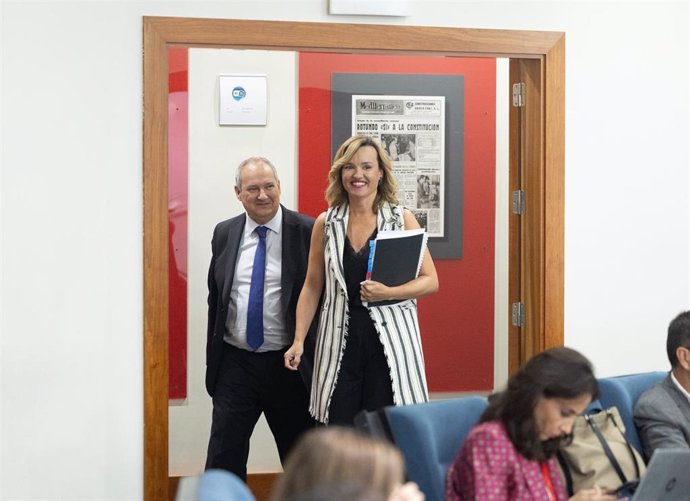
518 314
518 202
519 95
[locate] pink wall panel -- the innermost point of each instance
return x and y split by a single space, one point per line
177 219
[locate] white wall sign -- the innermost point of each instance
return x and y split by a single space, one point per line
242 100
371 7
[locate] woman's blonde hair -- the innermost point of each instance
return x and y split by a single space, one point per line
337 455
385 192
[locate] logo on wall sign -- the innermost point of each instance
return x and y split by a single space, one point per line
238 93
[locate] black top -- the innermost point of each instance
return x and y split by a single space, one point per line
355 268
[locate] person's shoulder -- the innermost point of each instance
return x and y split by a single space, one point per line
295 217
494 427
228 223
489 436
489 430
391 208
407 213
400 208
653 397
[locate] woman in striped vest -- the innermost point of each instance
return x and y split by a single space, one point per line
366 357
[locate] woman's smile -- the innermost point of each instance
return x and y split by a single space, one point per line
361 175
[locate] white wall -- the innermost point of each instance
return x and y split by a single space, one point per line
72 214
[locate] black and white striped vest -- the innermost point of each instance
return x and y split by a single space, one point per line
396 324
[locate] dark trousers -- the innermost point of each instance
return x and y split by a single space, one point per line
364 381
248 384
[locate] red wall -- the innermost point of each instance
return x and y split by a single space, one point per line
457 323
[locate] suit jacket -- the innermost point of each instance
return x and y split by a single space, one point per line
662 417
490 468
296 237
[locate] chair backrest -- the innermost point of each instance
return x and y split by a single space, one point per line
374 423
221 485
430 435
623 392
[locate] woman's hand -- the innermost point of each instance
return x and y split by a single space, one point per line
407 492
293 356
594 494
371 291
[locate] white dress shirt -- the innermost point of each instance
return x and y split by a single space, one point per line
275 334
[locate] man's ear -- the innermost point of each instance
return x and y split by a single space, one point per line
237 192
683 355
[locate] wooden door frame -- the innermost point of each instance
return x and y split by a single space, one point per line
536 263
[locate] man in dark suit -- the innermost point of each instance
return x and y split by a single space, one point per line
257 271
662 413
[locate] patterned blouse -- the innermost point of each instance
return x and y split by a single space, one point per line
489 468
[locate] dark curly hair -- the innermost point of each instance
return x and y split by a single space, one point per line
554 373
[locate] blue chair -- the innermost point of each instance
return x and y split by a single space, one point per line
221 485
430 435
623 392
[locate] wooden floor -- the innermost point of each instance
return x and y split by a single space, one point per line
261 485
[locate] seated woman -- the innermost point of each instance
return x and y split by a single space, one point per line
336 460
510 454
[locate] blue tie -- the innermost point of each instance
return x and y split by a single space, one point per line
255 307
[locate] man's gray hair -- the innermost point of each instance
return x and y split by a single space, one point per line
253 160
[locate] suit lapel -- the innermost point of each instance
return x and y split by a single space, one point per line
677 396
228 258
335 232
